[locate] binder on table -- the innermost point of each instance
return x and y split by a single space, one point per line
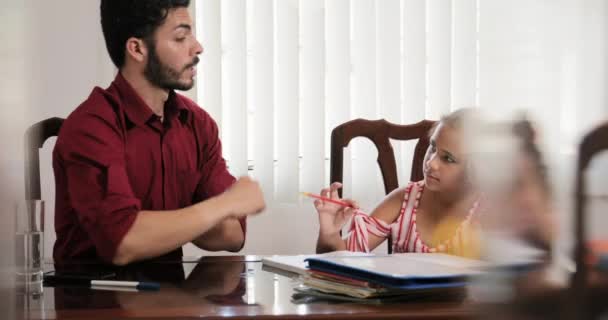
402 271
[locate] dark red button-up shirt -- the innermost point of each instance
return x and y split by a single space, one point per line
114 157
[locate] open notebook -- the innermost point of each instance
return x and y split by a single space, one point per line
296 264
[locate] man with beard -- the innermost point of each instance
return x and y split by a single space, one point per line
138 167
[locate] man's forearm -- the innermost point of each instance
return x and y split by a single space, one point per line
155 233
228 235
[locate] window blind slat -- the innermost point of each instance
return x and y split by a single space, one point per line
208 32
388 66
414 60
497 38
366 181
262 56
312 93
234 84
287 99
464 53
337 33
414 72
363 55
439 49
388 60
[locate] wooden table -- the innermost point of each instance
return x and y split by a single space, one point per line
214 287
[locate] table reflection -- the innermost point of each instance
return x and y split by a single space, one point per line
212 287
217 282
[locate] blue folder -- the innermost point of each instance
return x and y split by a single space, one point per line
402 271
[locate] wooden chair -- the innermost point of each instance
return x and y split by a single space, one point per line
380 132
593 143
35 136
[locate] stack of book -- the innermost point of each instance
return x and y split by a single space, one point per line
383 278
407 276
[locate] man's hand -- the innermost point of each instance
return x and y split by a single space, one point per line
244 198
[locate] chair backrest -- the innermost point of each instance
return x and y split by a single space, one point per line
380 132
35 136
592 144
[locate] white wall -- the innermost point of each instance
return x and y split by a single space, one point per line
12 110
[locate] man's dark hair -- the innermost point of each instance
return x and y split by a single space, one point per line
123 19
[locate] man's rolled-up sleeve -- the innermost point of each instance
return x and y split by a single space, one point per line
98 184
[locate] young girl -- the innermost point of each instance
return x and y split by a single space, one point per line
437 214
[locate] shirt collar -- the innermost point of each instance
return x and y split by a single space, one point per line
175 107
138 111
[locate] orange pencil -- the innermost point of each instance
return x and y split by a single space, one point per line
342 203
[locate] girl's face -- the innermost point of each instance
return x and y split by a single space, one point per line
444 162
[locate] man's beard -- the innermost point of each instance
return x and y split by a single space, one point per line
163 76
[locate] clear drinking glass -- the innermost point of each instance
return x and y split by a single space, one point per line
29 246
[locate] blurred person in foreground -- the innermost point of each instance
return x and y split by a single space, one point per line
511 171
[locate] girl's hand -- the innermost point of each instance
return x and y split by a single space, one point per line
332 217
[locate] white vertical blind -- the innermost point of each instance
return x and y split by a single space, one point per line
262 62
413 20
338 72
281 77
464 53
209 33
388 61
234 84
515 42
589 41
287 95
364 99
312 94
439 49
